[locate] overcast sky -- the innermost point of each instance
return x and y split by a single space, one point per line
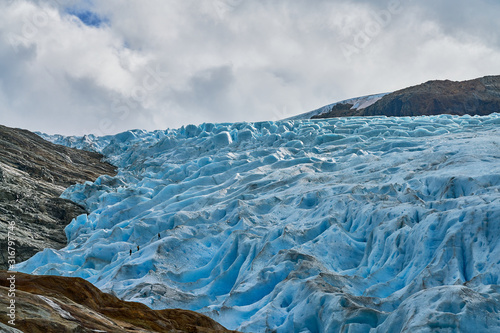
105 66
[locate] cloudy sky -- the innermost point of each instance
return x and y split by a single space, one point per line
105 66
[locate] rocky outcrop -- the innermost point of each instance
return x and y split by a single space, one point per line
33 174
60 304
337 110
474 97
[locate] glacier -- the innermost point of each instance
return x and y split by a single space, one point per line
373 224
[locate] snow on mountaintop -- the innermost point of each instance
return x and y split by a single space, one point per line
358 103
347 224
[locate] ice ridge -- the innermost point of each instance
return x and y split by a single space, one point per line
342 225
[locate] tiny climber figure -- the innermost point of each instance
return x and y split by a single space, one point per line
159 236
137 247
130 251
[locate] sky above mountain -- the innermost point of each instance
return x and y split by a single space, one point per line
75 67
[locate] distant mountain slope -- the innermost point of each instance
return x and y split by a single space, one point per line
52 304
474 97
357 103
33 174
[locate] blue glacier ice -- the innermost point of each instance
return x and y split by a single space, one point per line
341 225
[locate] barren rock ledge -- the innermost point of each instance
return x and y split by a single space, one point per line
33 174
48 304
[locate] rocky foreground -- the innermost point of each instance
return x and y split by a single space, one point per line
473 97
48 304
33 174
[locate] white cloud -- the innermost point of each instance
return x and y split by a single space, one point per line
165 63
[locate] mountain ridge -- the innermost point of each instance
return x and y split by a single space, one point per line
479 96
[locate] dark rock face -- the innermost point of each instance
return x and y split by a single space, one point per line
338 110
52 304
33 174
474 97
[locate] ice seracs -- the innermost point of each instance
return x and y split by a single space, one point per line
346 224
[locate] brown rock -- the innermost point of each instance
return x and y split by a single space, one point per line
60 304
474 97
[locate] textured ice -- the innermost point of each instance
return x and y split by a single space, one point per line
343 225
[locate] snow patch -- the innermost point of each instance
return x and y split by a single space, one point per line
358 103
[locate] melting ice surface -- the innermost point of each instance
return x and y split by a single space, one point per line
354 225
